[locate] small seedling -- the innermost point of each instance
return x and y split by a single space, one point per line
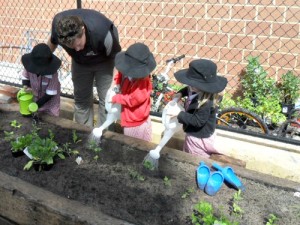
272 219
236 209
68 150
148 165
75 137
188 192
167 181
204 214
8 136
15 124
135 175
93 145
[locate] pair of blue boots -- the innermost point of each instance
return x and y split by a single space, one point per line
211 182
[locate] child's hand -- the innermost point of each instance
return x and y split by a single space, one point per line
27 89
177 97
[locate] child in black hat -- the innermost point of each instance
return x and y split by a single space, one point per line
199 117
40 76
135 66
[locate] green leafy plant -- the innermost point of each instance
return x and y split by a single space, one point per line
272 219
236 209
15 124
75 137
148 165
66 147
21 142
188 192
93 145
260 93
226 101
167 181
204 215
289 87
43 151
135 175
8 136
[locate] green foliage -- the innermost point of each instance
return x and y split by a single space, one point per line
167 181
43 151
8 136
204 215
236 209
289 87
260 93
188 192
66 148
93 145
15 124
148 165
21 142
75 137
135 175
227 101
176 86
272 219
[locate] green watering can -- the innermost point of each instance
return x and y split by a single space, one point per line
27 105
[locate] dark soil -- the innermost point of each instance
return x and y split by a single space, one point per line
108 183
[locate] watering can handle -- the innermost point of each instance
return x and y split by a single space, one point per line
20 93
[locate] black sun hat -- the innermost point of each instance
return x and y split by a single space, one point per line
137 61
202 74
41 60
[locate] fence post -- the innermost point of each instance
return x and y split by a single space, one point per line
78 4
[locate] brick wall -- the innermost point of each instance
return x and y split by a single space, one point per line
226 31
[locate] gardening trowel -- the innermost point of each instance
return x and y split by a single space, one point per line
113 113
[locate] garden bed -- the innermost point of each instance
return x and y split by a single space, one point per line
118 185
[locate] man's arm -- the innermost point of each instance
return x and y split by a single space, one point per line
51 45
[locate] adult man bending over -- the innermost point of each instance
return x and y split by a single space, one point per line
92 41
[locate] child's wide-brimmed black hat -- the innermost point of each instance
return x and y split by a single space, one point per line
41 60
202 74
136 62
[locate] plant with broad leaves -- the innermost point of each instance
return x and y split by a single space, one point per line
43 151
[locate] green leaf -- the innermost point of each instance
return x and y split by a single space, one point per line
28 165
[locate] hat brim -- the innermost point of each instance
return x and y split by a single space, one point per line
44 69
131 69
215 87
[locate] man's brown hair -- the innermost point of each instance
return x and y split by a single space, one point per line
69 28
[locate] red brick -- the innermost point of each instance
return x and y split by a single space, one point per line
271 13
241 41
243 12
232 27
218 11
258 28
285 30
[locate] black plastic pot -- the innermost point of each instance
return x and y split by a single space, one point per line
42 166
17 153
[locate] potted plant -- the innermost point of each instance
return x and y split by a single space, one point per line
20 143
42 152
289 87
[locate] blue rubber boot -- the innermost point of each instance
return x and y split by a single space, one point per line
202 175
229 176
214 183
